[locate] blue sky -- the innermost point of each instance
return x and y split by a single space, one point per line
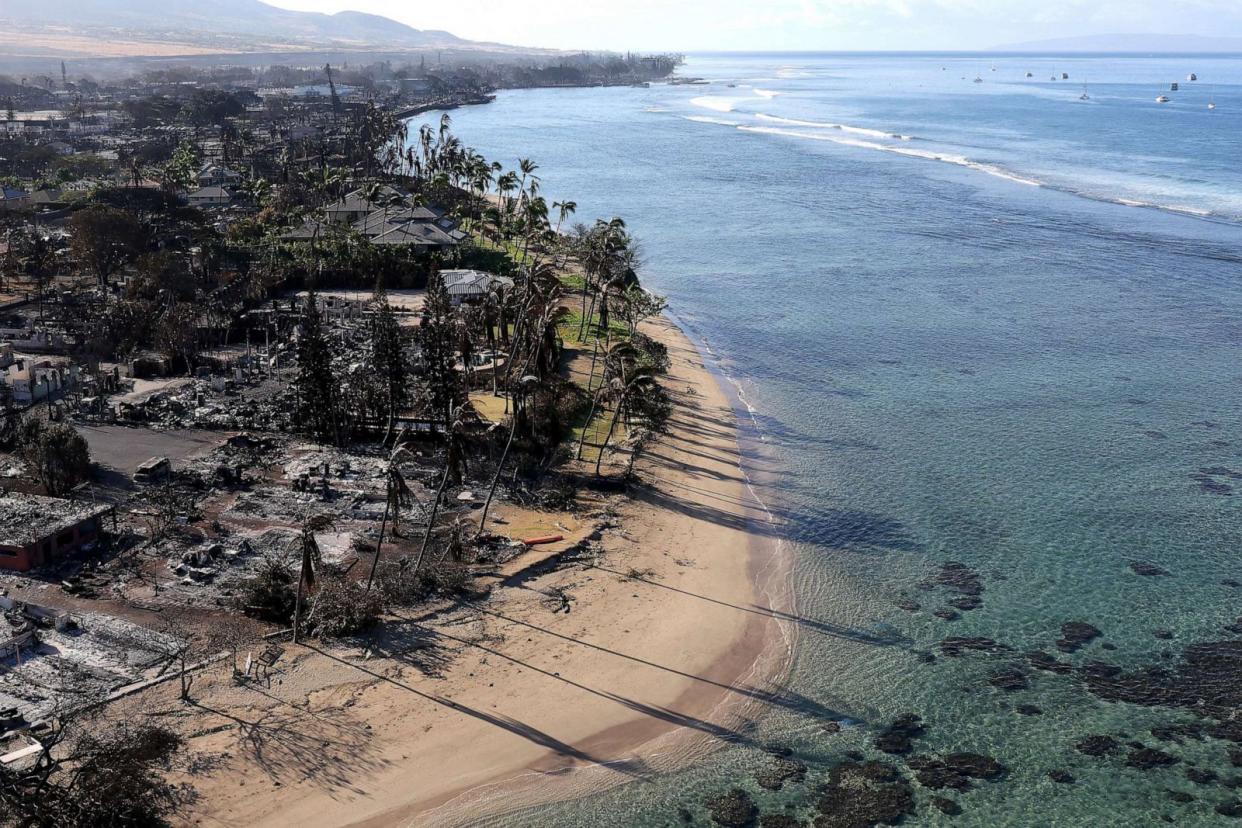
693 25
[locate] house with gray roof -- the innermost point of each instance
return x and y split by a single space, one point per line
469 286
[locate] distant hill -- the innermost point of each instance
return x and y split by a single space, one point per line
111 27
1129 43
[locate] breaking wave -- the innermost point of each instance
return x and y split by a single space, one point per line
715 103
948 158
874 133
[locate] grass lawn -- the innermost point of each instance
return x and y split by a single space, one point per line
489 407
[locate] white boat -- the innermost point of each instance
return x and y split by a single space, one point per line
1084 97
1211 104
1162 99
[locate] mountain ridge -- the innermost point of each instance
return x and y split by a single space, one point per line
1158 43
230 25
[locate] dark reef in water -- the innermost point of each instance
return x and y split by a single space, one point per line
960 577
780 821
733 809
1009 679
1208 682
782 770
1145 758
898 737
1075 634
957 770
858 795
1049 663
1098 745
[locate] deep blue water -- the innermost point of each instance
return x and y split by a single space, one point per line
964 344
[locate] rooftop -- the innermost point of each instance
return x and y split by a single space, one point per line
26 518
472 282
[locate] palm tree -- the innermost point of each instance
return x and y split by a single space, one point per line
527 168
564 209
614 362
398 494
535 220
312 558
526 382
506 184
622 393
454 469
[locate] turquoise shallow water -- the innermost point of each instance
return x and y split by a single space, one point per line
948 362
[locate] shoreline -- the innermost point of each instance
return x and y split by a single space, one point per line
755 661
673 747
557 707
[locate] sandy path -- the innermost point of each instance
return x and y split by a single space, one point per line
481 710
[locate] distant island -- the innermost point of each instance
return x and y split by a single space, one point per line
1172 43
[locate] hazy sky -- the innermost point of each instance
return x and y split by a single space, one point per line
794 24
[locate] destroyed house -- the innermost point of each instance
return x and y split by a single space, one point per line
36 530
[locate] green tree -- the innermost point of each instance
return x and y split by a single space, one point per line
623 395
389 362
104 239
58 454
437 338
317 404
181 172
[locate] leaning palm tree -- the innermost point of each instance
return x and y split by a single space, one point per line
398 495
526 383
312 559
454 469
622 394
614 362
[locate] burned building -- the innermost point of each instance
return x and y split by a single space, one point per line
36 530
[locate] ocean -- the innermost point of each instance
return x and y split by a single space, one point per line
991 323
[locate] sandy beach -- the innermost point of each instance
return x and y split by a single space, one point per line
463 711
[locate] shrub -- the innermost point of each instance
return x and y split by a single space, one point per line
270 596
58 454
340 606
112 774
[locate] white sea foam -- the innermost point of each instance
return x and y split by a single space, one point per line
766 93
708 119
947 158
874 133
715 103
